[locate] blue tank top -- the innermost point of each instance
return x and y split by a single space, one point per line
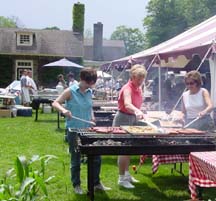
80 106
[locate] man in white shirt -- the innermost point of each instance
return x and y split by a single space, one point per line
24 89
31 83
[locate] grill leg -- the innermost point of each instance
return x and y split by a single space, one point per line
90 192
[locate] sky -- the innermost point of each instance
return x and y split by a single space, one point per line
39 14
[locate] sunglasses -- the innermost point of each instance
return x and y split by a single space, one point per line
190 83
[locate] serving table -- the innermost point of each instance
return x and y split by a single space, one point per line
44 98
202 171
92 144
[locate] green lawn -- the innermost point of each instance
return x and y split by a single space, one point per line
24 136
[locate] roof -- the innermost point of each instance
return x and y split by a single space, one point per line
111 49
106 43
45 42
195 41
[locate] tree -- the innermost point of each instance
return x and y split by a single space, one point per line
133 38
52 28
8 22
167 18
163 21
78 17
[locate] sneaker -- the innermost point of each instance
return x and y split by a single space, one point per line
78 190
131 179
125 184
101 187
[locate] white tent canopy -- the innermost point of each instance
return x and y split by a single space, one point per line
63 63
103 74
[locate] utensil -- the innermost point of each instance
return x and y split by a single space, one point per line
191 122
83 120
149 124
152 125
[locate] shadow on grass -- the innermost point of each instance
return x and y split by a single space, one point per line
142 192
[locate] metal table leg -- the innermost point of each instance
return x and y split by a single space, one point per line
36 114
58 120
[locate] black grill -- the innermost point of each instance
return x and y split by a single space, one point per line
91 144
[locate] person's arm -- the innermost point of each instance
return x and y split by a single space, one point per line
93 116
57 104
209 104
180 118
129 106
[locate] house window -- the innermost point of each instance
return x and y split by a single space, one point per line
24 39
21 65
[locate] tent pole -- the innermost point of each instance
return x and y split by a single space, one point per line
151 64
203 59
159 82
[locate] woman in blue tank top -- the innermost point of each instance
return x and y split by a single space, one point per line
78 102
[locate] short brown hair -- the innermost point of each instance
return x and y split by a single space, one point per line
89 75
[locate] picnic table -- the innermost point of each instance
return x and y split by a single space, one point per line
44 99
202 171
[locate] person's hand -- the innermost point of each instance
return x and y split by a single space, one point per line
67 113
93 119
201 114
140 115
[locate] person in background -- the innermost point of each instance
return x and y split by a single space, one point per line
100 83
31 83
169 87
130 100
118 85
196 102
61 81
71 80
78 102
207 81
25 97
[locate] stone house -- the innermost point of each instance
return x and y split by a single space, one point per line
32 48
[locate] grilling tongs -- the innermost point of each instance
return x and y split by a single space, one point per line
83 120
191 122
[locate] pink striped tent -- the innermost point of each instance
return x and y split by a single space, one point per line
178 51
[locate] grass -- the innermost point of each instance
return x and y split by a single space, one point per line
24 136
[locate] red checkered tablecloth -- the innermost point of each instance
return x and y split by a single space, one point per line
202 171
167 159
164 159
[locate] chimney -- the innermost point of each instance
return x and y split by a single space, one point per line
98 42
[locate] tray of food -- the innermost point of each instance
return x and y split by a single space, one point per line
139 130
187 131
107 129
169 124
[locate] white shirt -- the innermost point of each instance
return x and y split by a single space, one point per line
194 103
72 82
32 85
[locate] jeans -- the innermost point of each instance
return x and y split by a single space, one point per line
76 161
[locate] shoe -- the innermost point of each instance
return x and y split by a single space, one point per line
125 184
101 187
131 179
78 190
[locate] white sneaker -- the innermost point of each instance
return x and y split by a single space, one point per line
78 190
125 184
131 179
101 187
